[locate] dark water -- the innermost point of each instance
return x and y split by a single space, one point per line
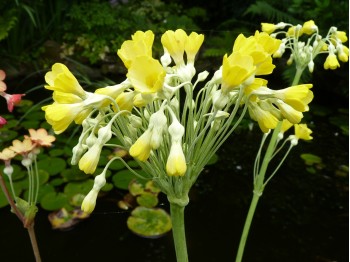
301 216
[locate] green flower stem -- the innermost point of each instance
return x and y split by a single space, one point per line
246 228
177 218
258 190
297 76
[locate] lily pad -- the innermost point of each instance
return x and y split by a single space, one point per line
53 165
3 200
135 188
81 187
122 179
54 201
73 174
7 135
149 222
311 159
147 199
150 186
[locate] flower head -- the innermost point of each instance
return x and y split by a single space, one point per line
141 149
2 121
89 202
22 148
7 154
302 132
41 137
174 43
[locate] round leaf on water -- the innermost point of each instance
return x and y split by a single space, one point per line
311 159
7 135
77 199
30 124
44 190
43 176
3 200
123 178
133 164
135 188
213 159
107 187
53 165
150 186
147 199
56 182
73 174
56 152
116 165
149 222
38 115
81 187
53 201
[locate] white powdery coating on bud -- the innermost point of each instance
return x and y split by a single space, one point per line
293 140
202 76
281 25
105 134
311 66
135 121
8 170
176 130
26 162
175 103
220 100
91 140
217 76
78 151
165 59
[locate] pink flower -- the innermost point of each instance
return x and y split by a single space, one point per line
40 137
12 100
2 121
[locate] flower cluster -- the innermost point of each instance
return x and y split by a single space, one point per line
28 149
303 53
169 124
11 100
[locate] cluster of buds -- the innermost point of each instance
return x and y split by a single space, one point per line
161 117
28 149
11 100
303 52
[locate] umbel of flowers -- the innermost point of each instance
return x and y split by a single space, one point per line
171 118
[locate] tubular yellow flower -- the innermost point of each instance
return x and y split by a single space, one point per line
298 96
60 116
89 160
174 43
302 132
176 163
265 118
343 54
141 45
112 91
192 45
269 43
341 35
146 75
89 201
309 27
141 149
331 62
268 28
125 100
292 115
235 70
285 125
62 80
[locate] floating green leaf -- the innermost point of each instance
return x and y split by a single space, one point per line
147 199
107 187
149 222
135 188
7 135
56 152
122 179
311 159
213 159
54 201
53 165
81 187
73 174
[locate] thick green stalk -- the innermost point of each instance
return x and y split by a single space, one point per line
34 243
246 228
177 213
297 76
258 190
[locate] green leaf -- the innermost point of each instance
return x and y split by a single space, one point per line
81 187
311 159
147 199
7 135
122 179
54 201
73 174
53 165
56 152
149 222
3 200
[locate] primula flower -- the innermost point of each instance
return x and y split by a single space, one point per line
140 45
141 149
174 43
235 70
265 118
41 137
309 27
12 100
192 45
22 148
89 202
331 62
268 28
88 162
125 100
7 154
147 75
2 121
176 163
302 132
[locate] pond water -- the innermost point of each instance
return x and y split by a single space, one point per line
301 216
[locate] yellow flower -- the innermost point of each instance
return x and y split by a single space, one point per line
331 62
292 115
192 45
174 43
141 149
112 91
89 160
285 125
235 70
340 35
62 80
265 118
268 28
146 75
125 100
176 163
298 96
292 32
302 132
140 45
89 201
343 54
258 82
60 116
309 27
269 43
41 137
